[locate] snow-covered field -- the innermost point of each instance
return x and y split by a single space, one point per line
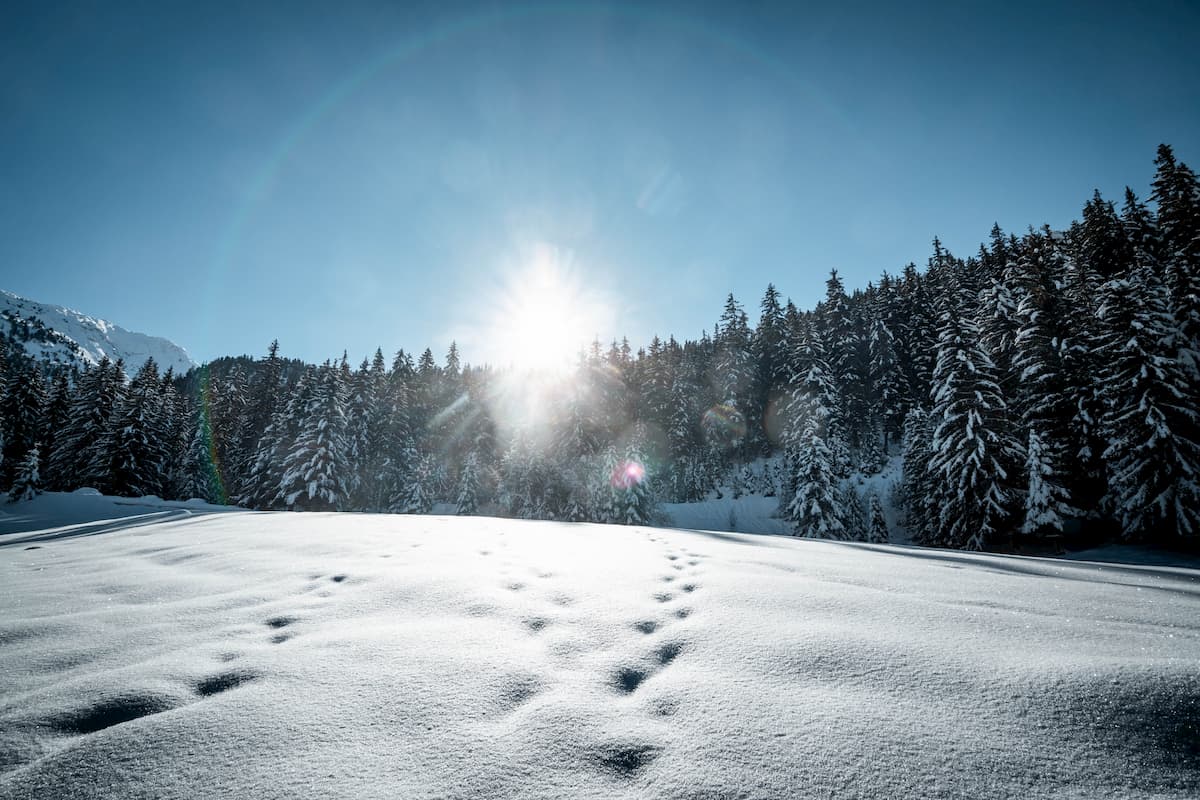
196 654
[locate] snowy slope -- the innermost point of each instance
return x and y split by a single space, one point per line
64 336
362 656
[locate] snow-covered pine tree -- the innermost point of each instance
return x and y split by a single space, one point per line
1152 455
63 467
734 372
314 471
814 508
888 394
22 400
769 347
1101 241
577 503
56 419
28 483
1177 195
266 394
918 487
136 453
1085 479
105 398
1045 499
468 487
634 498
974 453
877 527
226 401
360 410
841 335
1041 396
418 496
605 500
199 477
850 505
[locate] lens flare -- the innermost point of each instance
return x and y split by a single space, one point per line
628 474
543 316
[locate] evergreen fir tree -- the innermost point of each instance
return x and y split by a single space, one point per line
1045 500
1153 454
814 507
56 420
135 452
973 447
877 527
468 487
22 400
27 483
919 479
734 371
105 397
314 471
200 478
854 521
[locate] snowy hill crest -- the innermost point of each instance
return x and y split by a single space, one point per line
64 336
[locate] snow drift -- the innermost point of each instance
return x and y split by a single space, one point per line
200 654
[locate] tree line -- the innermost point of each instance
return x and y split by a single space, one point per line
1047 379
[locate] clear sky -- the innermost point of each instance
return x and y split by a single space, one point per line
347 175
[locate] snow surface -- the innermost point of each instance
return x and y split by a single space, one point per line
94 337
204 654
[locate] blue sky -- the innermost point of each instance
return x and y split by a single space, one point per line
342 176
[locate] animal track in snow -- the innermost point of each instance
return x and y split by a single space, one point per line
112 711
667 653
664 597
280 622
225 681
626 760
689 587
628 679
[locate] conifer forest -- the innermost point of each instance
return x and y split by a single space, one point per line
1044 386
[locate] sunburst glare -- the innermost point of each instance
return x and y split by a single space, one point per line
547 314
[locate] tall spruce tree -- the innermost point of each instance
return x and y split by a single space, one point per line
314 471
1153 455
27 483
132 441
973 449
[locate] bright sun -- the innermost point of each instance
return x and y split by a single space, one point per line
545 315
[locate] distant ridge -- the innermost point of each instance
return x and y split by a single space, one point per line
63 336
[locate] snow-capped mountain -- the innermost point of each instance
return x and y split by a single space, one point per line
61 335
